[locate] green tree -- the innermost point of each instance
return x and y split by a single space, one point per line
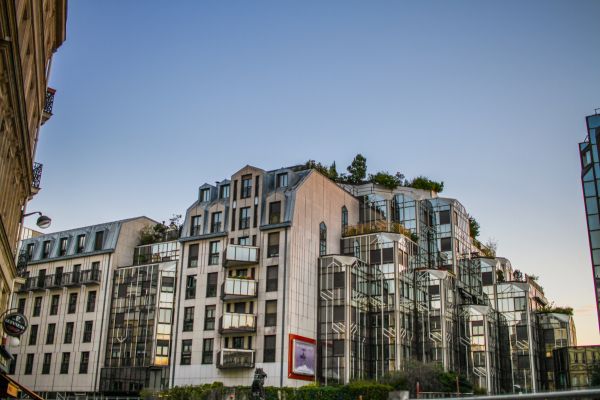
385 179
357 169
333 174
422 182
473 227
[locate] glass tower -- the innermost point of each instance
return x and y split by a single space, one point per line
590 178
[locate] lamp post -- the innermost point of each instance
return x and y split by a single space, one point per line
43 221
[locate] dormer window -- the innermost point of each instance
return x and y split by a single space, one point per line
46 249
62 250
282 180
99 240
80 243
30 248
224 192
204 195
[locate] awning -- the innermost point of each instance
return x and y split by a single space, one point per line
8 384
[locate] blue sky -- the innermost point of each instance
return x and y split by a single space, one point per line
155 99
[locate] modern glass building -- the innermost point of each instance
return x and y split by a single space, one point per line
590 179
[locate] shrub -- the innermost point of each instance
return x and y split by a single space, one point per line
385 179
422 182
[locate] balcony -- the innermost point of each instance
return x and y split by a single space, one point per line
236 254
48 104
68 279
235 358
236 288
37 177
237 323
376 227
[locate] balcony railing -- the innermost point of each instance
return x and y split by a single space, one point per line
375 227
233 323
86 277
156 253
48 104
236 254
37 176
236 288
235 358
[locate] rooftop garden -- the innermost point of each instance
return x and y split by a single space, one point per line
161 232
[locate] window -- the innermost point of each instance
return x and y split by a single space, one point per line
62 248
76 273
271 313
322 239
186 352
99 240
46 363
244 218
244 241
338 314
338 348
21 306
167 284
165 315
204 195
193 256
37 306
224 192
41 278
91 301
213 255
344 217
238 342
446 244
246 187
275 212
50 333
69 327
72 307
272 278
216 220
444 217
46 249
207 351
209 318
54 304
80 244
273 246
269 354
196 226
84 362
162 348
12 369
87 331
339 279
188 319
520 304
190 287
58 275
211 284
64 364
29 364
33 331
282 180
30 248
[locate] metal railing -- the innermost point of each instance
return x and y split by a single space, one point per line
62 279
567 394
235 358
37 175
49 101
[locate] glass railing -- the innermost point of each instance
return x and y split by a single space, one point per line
235 358
237 322
239 287
241 254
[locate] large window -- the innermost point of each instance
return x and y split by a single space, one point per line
246 186
91 301
87 331
37 306
282 180
72 306
54 304
322 239
207 351
50 333
272 278
193 256
29 364
244 218
211 284
33 332
269 349
216 222
84 362
271 313
188 319
190 287
275 212
196 225
273 245
186 352
64 364
213 255
46 363
446 244
209 318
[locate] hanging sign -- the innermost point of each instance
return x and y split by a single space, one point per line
14 324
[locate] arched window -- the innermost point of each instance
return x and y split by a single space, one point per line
344 218
322 239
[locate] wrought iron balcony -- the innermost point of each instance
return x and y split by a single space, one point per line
48 104
37 177
235 358
22 262
236 288
235 323
69 279
236 254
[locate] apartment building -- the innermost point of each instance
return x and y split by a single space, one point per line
30 33
247 291
67 299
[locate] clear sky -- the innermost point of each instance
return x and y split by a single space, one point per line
155 98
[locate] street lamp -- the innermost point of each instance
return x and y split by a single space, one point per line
43 221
